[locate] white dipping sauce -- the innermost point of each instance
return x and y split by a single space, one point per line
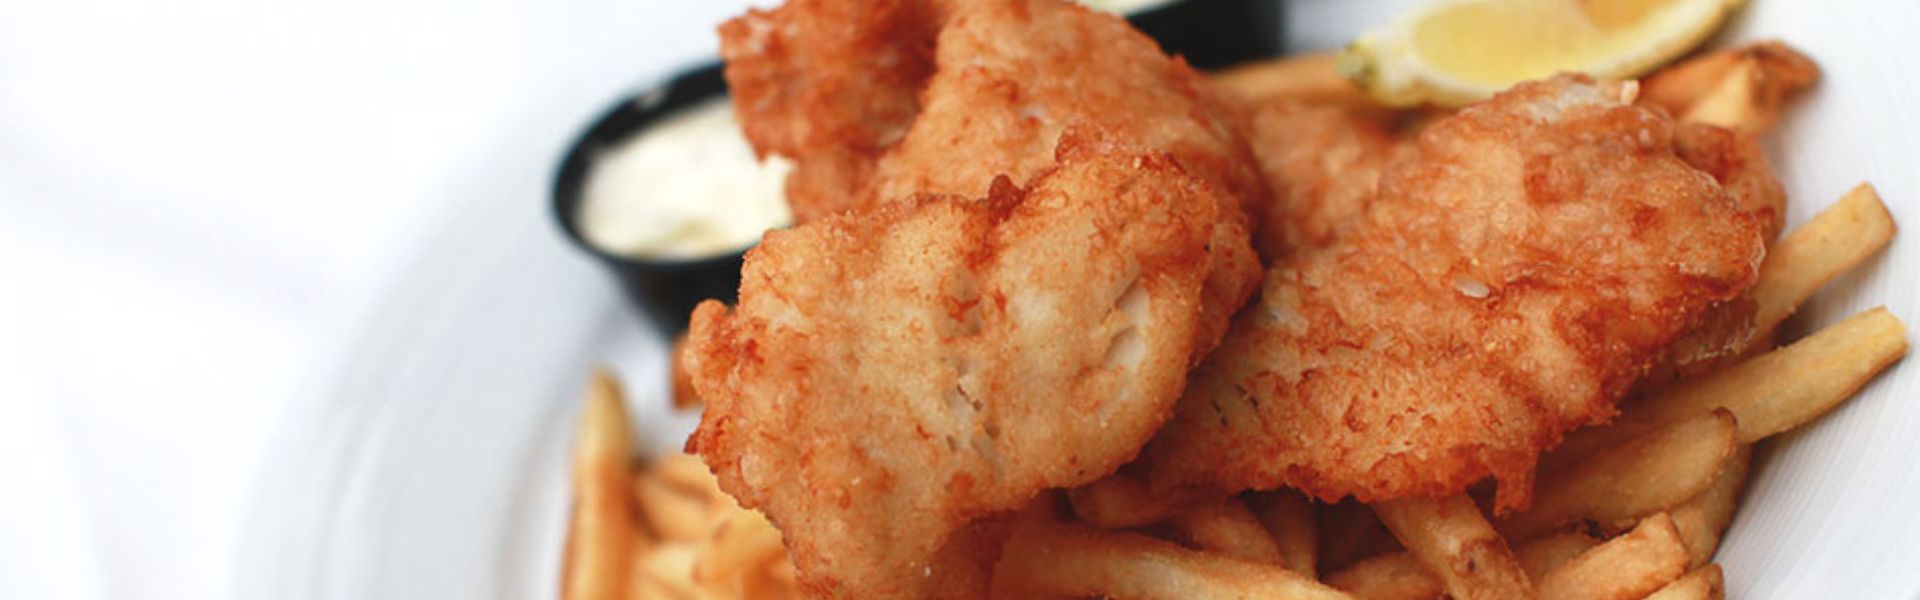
688 186
1125 7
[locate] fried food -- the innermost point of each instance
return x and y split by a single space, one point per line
1632 479
890 376
1322 163
1457 544
1045 559
604 535
1008 259
1741 88
832 84
963 92
1633 565
1509 281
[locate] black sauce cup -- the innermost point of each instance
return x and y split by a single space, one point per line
665 289
1215 33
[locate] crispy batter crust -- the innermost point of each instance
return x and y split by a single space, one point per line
890 376
1509 281
999 284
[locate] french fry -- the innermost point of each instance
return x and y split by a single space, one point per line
1789 386
1703 518
1045 559
686 474
1288 517
766 584
1310 77
1224 525
1633 565
1540 556
1767 394
1454 540
665 571
1741 88
1704 583
743 543
1632 479
1395 576
671 513
603 534
1835 241
1733 102
1398 575
1679 86
1120 501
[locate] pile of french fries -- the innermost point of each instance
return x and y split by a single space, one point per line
1632 509
661 529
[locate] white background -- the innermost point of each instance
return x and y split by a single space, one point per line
197 200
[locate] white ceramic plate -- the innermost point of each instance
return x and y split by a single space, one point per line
432 463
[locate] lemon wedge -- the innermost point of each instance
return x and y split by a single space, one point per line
1452 52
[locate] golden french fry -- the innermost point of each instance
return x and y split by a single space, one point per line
767 582
1045 559
1632 479
1454 540
603 533
1540 556
1120 501
741 544
671 513
1395 576
1835 241
1288 517
1633 565
1679 86
1309 77
1398 575
1741 88
1767 394
1703 518
1224 525
1704 583
665 571
688 475
1732 102
1787 387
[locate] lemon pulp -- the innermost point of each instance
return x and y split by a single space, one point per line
1458 50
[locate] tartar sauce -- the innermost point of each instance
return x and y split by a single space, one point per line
1124 7
686 187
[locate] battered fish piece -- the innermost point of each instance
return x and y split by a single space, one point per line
832 84
1322 163
998 286
880 100
1510 280
891 376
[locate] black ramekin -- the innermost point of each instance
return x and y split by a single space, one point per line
666 289
1215 33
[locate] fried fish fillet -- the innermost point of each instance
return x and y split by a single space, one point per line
1322 163
890 376
996 290
1509 280
878 100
